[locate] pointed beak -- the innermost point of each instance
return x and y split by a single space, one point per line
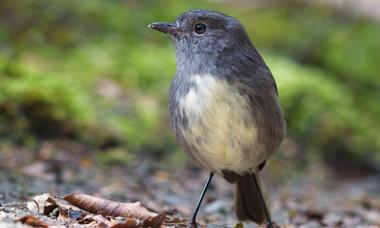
165 27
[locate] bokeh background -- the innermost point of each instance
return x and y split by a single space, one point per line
91 72
90 77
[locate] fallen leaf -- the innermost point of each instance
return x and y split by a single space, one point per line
97 219
112 208
42 204
63 214
129 223
32 221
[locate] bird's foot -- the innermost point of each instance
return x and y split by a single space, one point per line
271 224
192 224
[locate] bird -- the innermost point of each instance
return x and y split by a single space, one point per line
224 107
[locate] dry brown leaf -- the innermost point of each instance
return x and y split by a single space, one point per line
97 219
112 208
129 223
32 221
42 204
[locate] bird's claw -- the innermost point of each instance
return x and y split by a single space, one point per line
192 224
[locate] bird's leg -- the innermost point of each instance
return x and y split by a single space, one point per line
195 212
269 223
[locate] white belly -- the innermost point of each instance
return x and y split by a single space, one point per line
221 127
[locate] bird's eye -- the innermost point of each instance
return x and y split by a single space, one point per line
200 28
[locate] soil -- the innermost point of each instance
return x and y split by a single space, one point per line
313 199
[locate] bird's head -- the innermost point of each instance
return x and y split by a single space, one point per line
204 32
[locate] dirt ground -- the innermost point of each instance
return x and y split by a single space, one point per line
314 199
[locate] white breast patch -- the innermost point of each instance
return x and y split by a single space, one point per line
220 126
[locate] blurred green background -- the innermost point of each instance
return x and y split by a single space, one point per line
91 72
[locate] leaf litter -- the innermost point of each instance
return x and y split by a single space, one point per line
90 210
311 201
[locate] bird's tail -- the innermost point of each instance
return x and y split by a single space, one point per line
249 202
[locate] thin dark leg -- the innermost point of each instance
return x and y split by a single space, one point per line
263 204
195 212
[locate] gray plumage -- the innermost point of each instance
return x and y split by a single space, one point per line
224 107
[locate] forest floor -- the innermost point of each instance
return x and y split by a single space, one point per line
310 200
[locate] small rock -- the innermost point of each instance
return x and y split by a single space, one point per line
332 219
12 224
299 219
218 206
281 217
351 222
372 216
310 224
